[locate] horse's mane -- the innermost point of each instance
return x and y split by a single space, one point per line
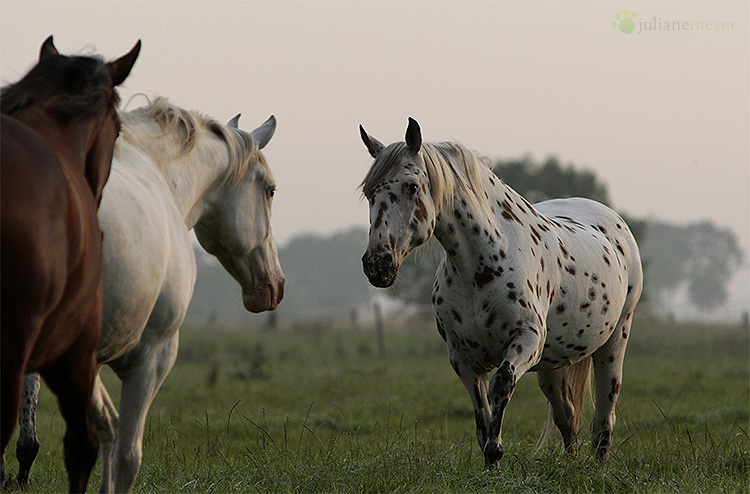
188 126
68 86
451 168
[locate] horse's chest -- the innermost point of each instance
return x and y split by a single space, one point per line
480 325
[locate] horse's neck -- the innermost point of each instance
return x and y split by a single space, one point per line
190 176
68 141
483 236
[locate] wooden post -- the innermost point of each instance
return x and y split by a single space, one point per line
379 331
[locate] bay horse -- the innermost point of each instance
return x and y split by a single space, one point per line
59 124
173 171
548 287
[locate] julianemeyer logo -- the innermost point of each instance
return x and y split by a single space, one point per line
626 22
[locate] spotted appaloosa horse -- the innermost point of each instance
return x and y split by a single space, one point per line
545 288
59 125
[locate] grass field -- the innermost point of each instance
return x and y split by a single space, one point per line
321 412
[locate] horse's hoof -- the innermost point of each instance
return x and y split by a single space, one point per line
492 455
11 484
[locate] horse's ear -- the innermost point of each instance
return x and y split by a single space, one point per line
263 134
120 68
48 48
374 146
235 122
413 136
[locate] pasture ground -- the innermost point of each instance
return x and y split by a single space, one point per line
295 411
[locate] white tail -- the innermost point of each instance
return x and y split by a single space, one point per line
578 376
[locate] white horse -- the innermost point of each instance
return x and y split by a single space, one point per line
173 170
545 288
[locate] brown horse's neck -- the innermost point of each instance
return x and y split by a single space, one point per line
71 139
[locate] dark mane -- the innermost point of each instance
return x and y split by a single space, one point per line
66 85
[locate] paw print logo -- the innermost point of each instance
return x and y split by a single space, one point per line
624 21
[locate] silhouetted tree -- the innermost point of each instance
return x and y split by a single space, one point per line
325 271
699 256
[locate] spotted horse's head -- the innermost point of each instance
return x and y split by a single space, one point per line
402 210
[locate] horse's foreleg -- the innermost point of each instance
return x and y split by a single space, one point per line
522 354
104 415
27 445
140 384
607 378
476 385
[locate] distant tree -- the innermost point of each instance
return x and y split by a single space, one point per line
699 256
539 182
325 271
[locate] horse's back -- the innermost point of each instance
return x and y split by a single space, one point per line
600 258
592 217
149 266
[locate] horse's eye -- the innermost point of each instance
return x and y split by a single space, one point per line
410 188
270 192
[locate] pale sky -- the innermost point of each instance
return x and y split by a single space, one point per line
660 115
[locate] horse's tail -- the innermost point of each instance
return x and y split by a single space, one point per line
578 377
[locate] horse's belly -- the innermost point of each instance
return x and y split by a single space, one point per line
149 269
577 328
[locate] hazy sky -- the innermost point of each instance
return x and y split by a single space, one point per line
661 115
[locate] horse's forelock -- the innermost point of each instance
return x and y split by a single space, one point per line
385 164
450 166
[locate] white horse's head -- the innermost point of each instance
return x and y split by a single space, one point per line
237 226
402 204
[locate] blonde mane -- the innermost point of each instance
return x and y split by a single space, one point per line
451 168
172 120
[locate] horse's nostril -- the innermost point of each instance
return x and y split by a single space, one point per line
387 258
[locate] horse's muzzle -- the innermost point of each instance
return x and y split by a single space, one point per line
266 296
380 268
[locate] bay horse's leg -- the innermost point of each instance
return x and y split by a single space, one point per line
476 385
522 354
105 418
71 379
559 394
139 387
608 361
11 383
27 445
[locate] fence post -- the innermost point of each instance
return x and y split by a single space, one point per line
379 330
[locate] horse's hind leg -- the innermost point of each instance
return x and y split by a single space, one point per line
10 386
140 384
71 379
106 420
559 395
27 445
608 378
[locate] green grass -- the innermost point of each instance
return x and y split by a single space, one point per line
320 411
